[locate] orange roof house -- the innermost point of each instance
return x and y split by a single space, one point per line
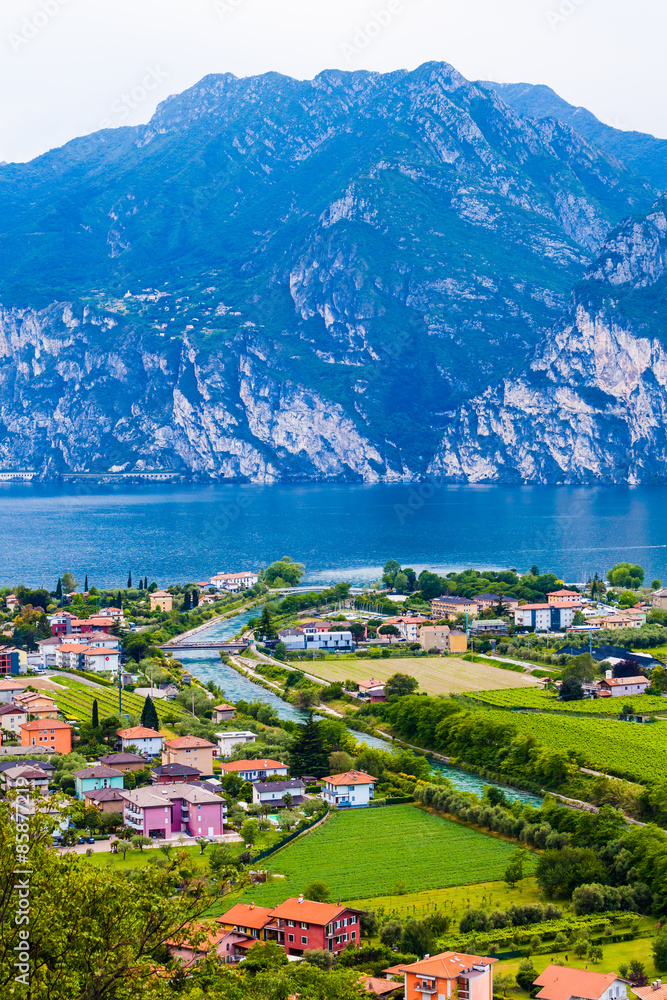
191 750
50 734
559 982
350 789
246 918
255 770
146 740
448 974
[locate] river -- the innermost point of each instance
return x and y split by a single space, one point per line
207 665
186 533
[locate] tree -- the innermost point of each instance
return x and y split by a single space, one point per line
659 679
627 598
280 652
578 618
266 955
149 716
267 628
219 857
534 571
317 891
389 630
284 573
69 584
85 584
288 800
401 583
308 753
526 976
626 575
660 949
319 957
391 569
417 938
139 842
250 831
391 933
203 843
514 869
637 973
582 667
129 580
340 761
571 690
656 584
400 685
368 922
95 720
59 590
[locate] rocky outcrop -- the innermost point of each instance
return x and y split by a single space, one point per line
593 405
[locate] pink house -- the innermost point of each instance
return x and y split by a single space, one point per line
166 811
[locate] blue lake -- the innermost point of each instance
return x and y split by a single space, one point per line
183 533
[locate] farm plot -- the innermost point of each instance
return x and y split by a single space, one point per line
626 749
523 697
76 701
371 852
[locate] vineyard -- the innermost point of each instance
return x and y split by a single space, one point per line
626 749
642 704
76 702
369 852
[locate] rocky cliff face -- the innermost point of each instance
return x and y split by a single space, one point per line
281 279
593 405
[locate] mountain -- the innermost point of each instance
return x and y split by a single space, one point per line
286 280
593 405
645 154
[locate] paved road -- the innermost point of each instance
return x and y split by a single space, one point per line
104 846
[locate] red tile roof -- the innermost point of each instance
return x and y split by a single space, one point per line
560 983
447 965
137 733
187 743
44 724
308 911
247 915
351 778
252 765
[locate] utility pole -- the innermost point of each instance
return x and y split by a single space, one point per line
120 691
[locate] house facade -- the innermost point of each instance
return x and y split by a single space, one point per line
272 793
170 774
190 750
147 741
302 924
234 582
450 607
450 974
12 717
223 713
544 617
350 790
228 742
106 799
559 982
48 733
9 689
100 660
312 637
124 761
659 599
441 637
164 811
90 779
161 600
408 627
620 687
9 661
564 598
255 770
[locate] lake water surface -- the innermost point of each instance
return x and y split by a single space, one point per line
186 533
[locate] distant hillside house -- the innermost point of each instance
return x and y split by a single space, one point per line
12 717
272 793
619 687
313 637
47 733
228 742
146 741
255 770
124 761
487 601
160 600
659 599
223 713
349 790
234 582
564 598
441 637
450 607
191 750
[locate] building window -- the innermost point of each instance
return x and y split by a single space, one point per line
290 937
304 926
304 939
353 935
290 923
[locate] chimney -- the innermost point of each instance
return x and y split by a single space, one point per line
426 956
300 899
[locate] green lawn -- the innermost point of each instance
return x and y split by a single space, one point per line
373 852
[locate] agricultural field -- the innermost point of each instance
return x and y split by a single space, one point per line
436 674
627 749
370 852
523 697
75 700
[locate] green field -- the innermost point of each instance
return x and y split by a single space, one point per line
75 701
526 697
627 749
436 674
371 852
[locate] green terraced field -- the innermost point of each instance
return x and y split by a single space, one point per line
369 852
77 701
524 697
626 749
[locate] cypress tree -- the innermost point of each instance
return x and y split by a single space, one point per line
308 753
146 583
195 598
266 626
59 590
85 585
96 715
149 716
129 580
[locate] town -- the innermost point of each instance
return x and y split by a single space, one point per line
417 716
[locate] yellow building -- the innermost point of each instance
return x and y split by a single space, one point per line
161 600
191 750
442 638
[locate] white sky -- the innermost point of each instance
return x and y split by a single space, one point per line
65 65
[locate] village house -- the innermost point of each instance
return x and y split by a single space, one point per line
350 790
228 742
487 601
302 925
311 637
659 599
656 991
170 774
9 689
544 617
89 779
565 598
372 691
191 750
124 761
12 717
160 600
9 661
272 793
12 602
114 613
202 941
560 982
381 987
223 713
99 660
408 627
243 926
450 607
616 621
442 638
255 770
234 582
15 777
488 627
621 687
50 733
164 811
146 741
450 974
106 799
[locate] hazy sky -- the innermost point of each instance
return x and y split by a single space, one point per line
69 67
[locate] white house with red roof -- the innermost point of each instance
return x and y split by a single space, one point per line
621 687
565 598
234 581
350 790
147 741
255 770
559 982
450 974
